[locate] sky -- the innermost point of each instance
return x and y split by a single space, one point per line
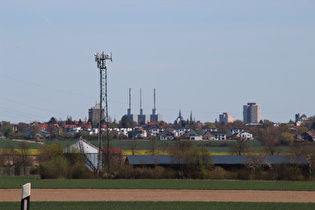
202 56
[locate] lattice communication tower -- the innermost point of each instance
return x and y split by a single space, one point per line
100 59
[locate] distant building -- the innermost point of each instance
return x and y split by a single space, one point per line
235 131
226 118
129 115
300 117
94 115
180 120
142 118
251 113
154 117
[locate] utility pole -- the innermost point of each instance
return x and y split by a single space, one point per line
100 59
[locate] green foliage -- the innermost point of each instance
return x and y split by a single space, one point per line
55 168
286 138
198 163
125 122
8 133
218 173
210 125
46 152
302 130
310 123
54 164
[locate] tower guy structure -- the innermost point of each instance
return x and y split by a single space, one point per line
100 59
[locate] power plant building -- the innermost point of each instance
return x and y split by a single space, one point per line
142 118
154 117
129 114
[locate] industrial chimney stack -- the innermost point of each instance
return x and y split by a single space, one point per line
130 102
154 108
141 110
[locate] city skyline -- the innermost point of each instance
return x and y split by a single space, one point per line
204 57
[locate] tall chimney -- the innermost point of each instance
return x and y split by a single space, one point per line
141 110
130 101
154 108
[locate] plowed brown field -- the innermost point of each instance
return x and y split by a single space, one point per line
159 195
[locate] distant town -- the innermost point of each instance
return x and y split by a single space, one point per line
142 126
141 145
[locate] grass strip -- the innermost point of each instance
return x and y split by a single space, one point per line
15 182
158 205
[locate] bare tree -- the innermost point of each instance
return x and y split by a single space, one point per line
270 137
153 147
180 148
133 145
24 156
255 163
240 147
10 158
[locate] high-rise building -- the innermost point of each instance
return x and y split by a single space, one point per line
251 113
94 115
226 118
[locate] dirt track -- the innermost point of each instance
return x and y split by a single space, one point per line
159 195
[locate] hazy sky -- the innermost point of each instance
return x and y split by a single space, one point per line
207 57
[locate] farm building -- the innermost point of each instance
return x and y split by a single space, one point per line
227 162
89 151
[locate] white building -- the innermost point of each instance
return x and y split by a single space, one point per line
89 151
226 118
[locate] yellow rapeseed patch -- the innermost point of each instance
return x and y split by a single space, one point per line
30 151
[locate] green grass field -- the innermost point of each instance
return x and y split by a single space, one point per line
11 182
213 146
158 205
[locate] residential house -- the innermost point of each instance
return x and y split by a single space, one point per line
214 135
190 133
31 134
219 135
154 131
205 129
308 136
179 132
208 136
235 130
166 135
246 136
137 134
196 138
